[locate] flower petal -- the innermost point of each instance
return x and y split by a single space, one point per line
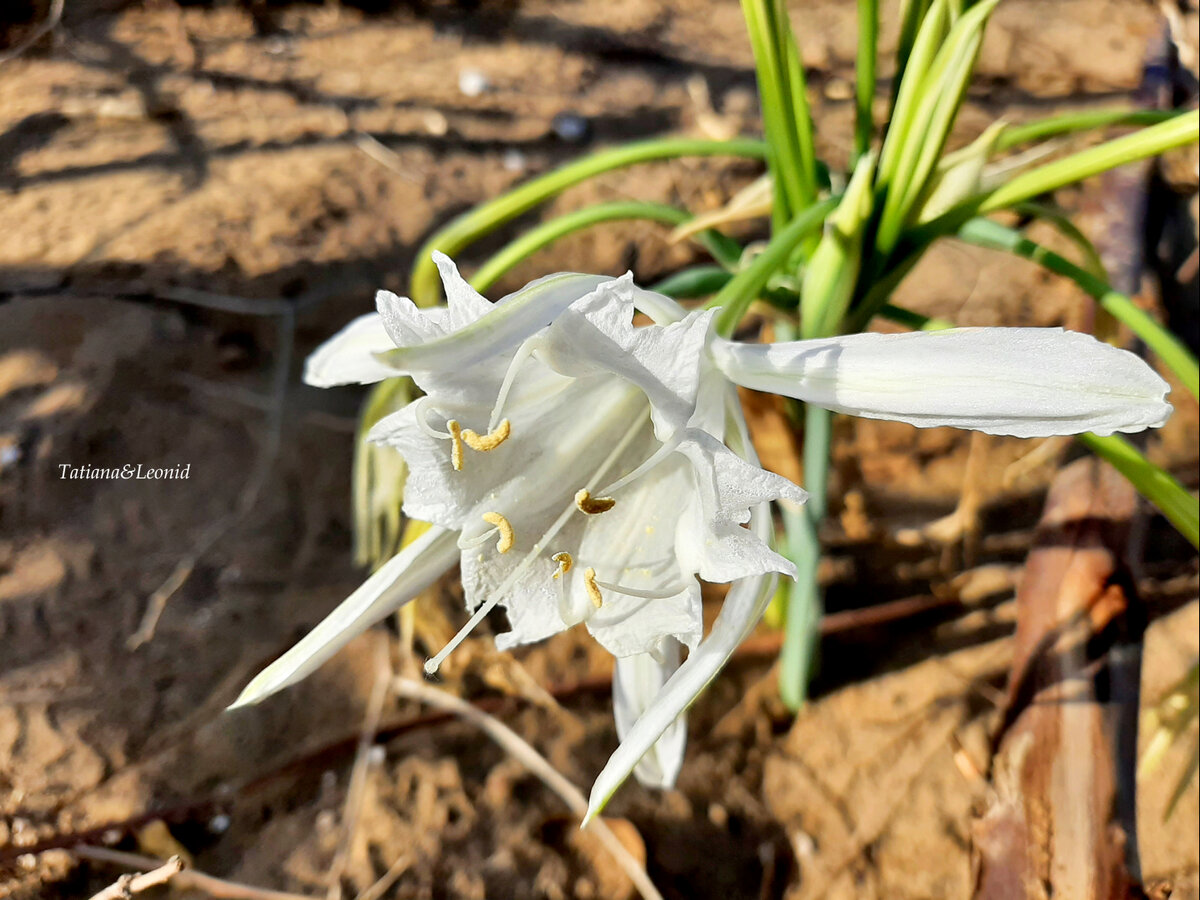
596 335
636 683
395 583
349 356
465 303
506 324
1027 382
743 607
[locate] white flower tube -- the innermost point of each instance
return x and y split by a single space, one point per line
1027 382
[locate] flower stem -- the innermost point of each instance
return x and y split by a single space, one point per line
804 607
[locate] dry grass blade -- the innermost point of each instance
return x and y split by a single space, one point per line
513 744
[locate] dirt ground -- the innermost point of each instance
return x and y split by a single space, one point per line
294 156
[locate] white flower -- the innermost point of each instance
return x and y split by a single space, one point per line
581 470
576 468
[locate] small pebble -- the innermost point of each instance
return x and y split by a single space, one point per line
571 127
376 755
472 82
219 824
514 161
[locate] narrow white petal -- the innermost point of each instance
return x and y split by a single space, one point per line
743 607
349 356
465 303
508 322
1027 382
636 683
400 579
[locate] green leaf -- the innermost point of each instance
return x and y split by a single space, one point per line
1153 483
864 94
1069 123
1178 131
750 282
831 273
425 287
723 249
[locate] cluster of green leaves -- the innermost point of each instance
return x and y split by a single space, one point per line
840 243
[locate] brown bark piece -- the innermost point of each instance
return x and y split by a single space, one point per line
1061 823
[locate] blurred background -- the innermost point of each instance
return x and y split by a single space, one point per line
194 194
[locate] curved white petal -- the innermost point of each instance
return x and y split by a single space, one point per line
466 304
596 335
1027 382
507 323
636 683
349 356
396 582
744 606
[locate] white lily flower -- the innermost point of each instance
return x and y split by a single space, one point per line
573 465
580 470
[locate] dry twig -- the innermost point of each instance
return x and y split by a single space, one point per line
520 750
184 878
128 885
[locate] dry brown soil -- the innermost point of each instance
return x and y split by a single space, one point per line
151 150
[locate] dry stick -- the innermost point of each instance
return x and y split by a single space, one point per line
185 878
358 772
516 746
390 877
127 885
56 11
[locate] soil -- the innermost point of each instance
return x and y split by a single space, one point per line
157 158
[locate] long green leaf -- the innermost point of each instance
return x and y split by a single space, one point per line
1152 482
724 250
462 231
1179 131
1069 123
864 93
751 281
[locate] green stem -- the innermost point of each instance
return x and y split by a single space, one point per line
469 226
724 250
750 282
1168 348
804 549
1156 485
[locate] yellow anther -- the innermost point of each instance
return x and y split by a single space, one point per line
456 447
565 562
507 537
593 506
490 441
593 589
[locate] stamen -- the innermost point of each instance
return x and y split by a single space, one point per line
593 589
456 447
593 506
423 423
507 537
565 562
668 447
644 595
431 664
478 541
490 441
523 353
